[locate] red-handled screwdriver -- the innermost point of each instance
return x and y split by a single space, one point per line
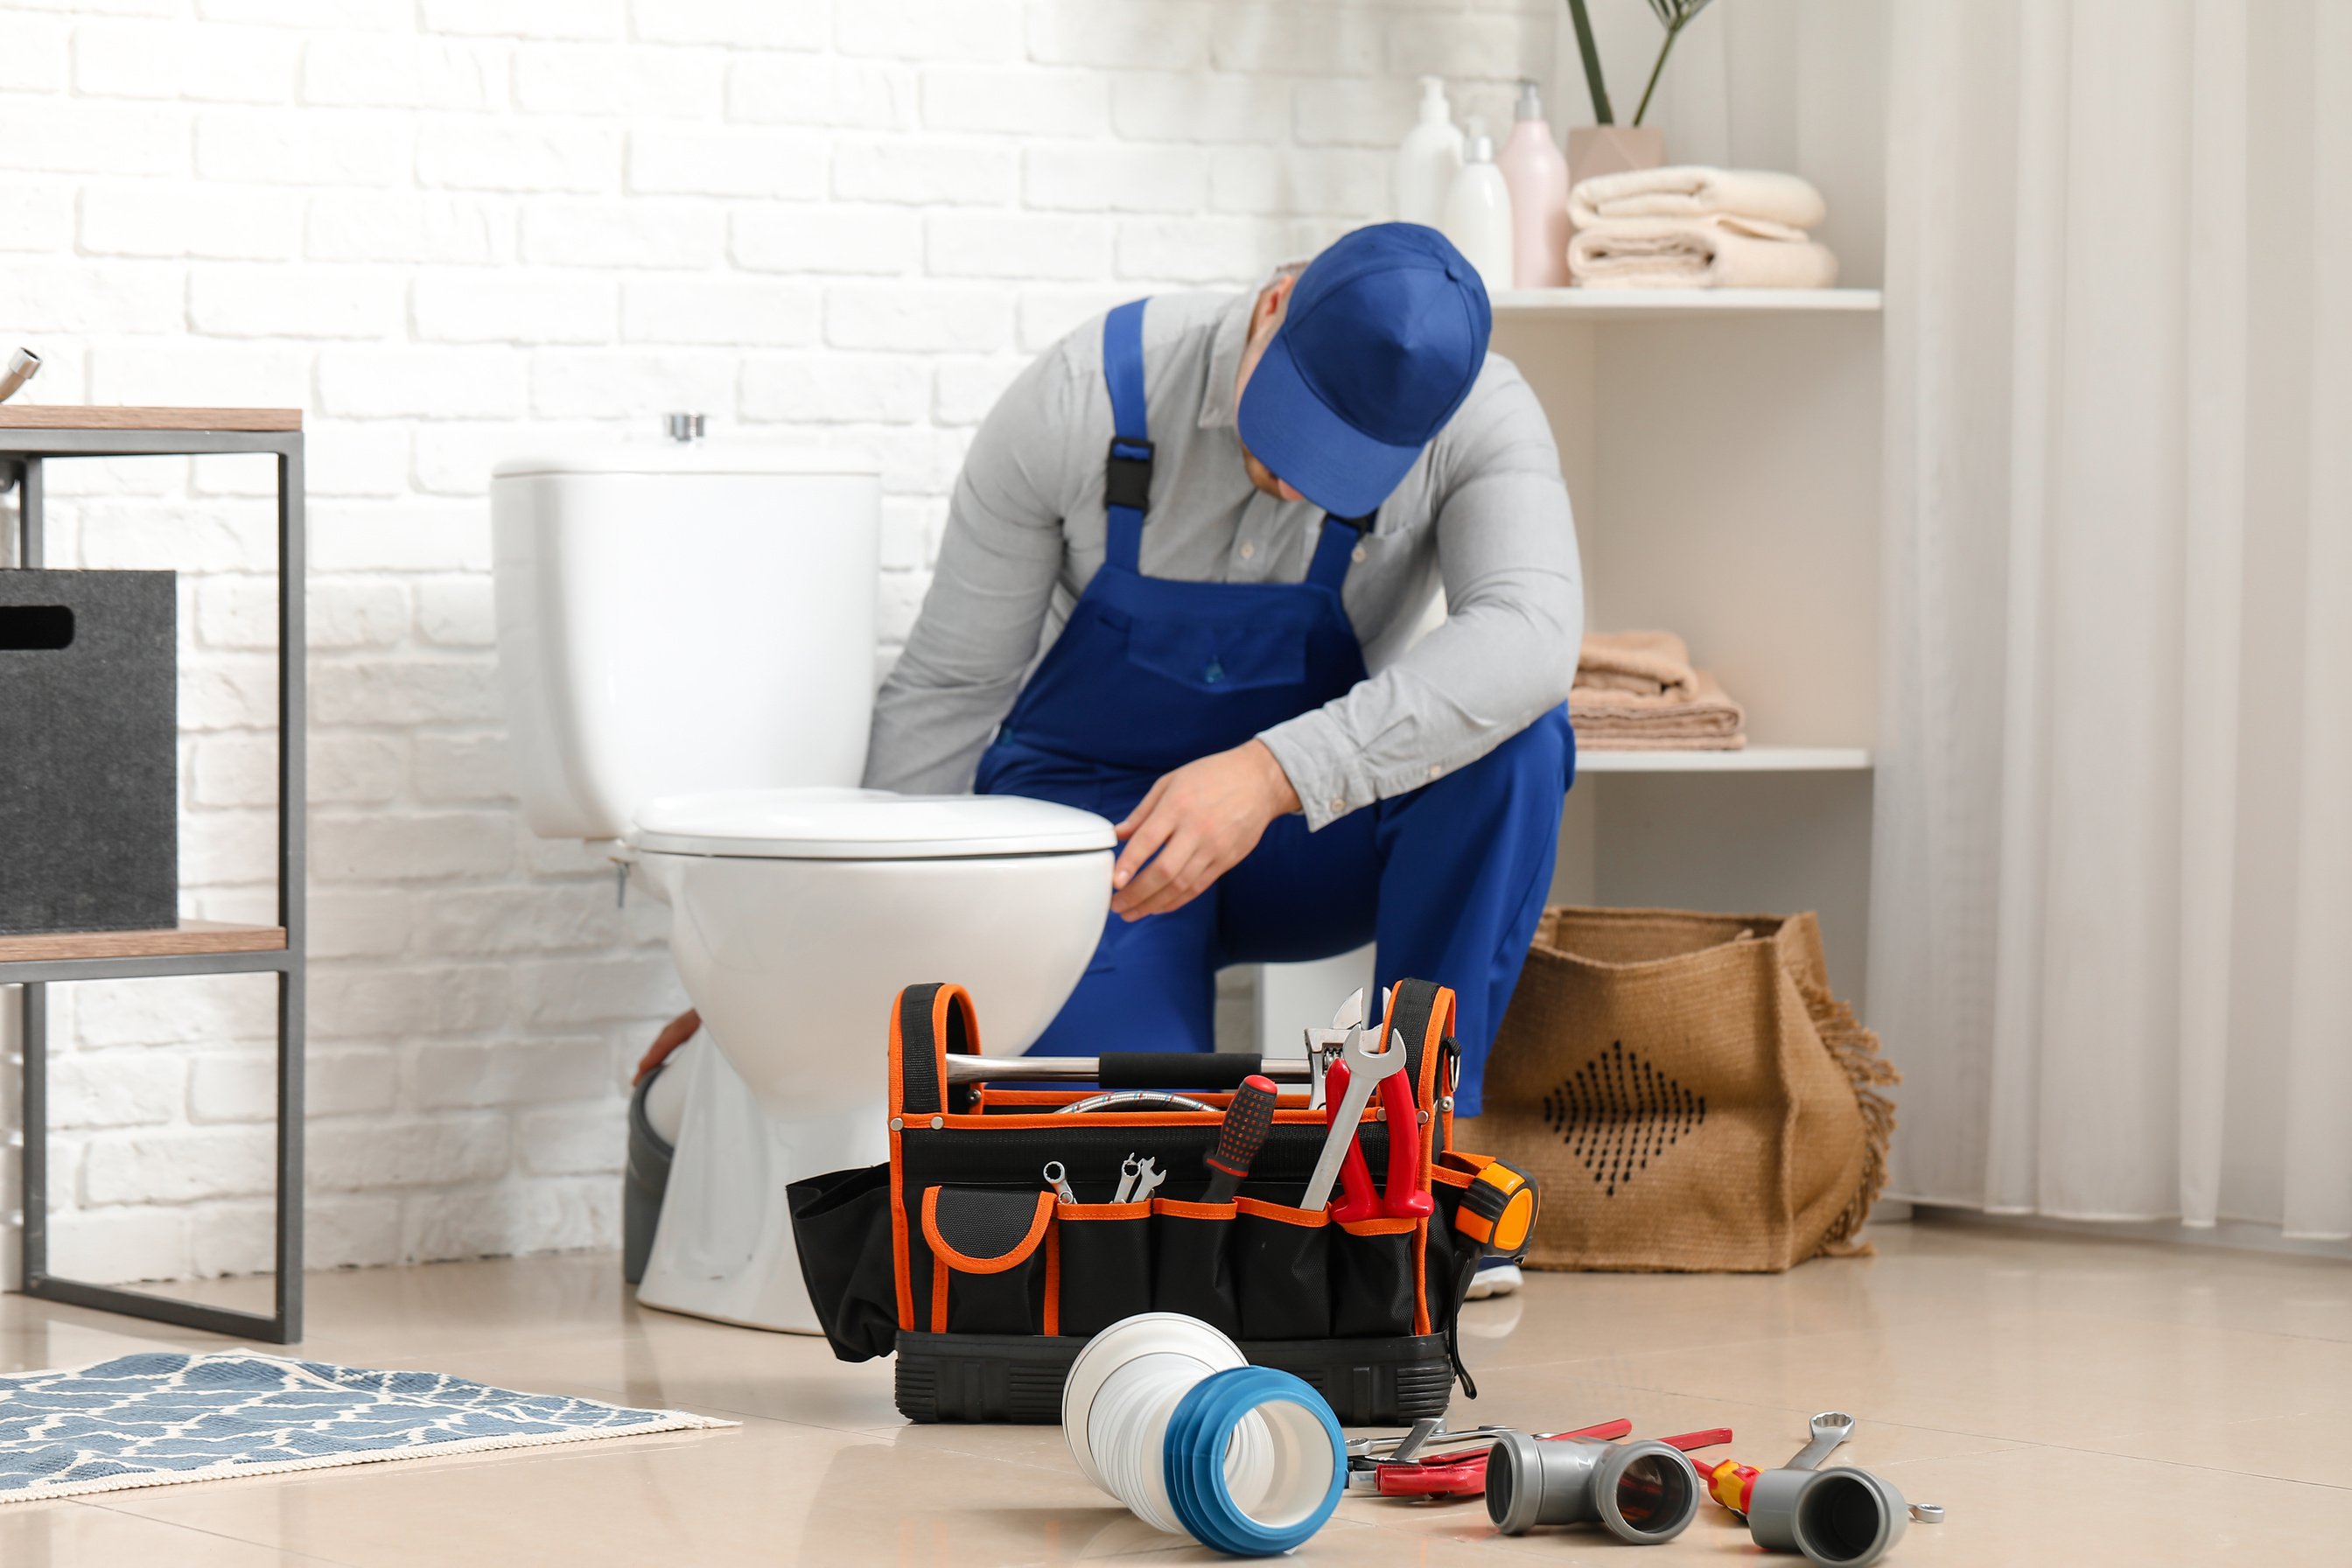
1240 1136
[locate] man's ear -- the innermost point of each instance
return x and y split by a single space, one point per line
1270 302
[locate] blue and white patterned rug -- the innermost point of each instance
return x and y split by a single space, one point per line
157 1418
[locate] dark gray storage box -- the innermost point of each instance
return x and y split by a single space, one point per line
89 823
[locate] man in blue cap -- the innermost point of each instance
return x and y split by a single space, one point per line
1221 521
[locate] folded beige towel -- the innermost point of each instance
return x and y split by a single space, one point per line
1694 253
1708 720
1647 663
1694 190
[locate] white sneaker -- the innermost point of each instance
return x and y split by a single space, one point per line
1496 1278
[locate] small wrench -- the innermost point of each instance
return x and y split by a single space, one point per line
1127 1174
1148 1177
1058 1178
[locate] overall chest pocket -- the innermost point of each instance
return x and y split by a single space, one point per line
1220 656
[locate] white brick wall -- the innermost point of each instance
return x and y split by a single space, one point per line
447 229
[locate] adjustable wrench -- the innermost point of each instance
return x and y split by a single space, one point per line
1322 1045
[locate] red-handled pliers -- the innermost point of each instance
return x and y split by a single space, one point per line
1403 1199
1464 1475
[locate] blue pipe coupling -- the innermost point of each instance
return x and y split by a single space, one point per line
1165 1414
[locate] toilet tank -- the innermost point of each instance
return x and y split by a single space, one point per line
680 618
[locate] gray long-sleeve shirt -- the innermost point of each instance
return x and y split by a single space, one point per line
1482 512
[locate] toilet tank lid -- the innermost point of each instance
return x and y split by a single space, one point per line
665 457
863 825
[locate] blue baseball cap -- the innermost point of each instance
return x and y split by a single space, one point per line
1383 338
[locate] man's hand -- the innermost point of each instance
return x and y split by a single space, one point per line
1200 821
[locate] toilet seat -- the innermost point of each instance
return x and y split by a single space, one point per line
863 825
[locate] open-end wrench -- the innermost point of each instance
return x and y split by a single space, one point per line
1366 1068
1148 1177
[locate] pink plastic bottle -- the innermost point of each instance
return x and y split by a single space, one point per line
1538 177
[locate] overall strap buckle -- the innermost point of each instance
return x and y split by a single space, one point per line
1126 473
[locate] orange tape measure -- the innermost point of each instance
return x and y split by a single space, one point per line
1498 1211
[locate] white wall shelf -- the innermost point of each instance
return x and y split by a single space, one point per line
1752 760
1677 304
1721 451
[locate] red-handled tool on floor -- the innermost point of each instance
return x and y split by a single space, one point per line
1464 1475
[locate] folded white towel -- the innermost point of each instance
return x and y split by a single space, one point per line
1694 191
1694 253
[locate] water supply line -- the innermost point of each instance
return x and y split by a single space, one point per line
23 366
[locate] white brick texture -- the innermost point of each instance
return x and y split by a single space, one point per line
451 230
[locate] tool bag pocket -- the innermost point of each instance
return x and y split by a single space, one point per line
992 1261
1192 1262
1373 1276
841 1226
1105 1263
1282 1265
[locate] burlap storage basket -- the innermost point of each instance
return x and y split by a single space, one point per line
1687 1091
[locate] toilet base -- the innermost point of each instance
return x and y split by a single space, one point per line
724 1247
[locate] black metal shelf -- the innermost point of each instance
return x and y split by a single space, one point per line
45 436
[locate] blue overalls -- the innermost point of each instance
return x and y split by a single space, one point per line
1151 674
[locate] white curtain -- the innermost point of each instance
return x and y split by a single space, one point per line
2112 900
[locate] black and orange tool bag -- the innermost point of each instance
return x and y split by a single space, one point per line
959 1255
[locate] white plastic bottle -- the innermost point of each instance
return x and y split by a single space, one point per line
1478 212
1538 177
1426 161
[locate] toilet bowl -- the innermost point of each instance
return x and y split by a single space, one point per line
796 916
687 653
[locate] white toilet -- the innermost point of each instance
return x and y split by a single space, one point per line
686 636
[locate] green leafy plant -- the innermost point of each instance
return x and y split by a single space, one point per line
1593 82
1673 15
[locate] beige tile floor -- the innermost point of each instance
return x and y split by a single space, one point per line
2069 1401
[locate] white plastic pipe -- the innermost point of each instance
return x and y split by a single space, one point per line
1164 1413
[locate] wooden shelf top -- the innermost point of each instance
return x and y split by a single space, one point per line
186 938
115 417
1749 760
1677 304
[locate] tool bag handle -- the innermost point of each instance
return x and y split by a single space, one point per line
1422 1011
1176 1069
926 1022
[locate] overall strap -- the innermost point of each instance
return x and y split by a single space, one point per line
1335 550
1126 472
